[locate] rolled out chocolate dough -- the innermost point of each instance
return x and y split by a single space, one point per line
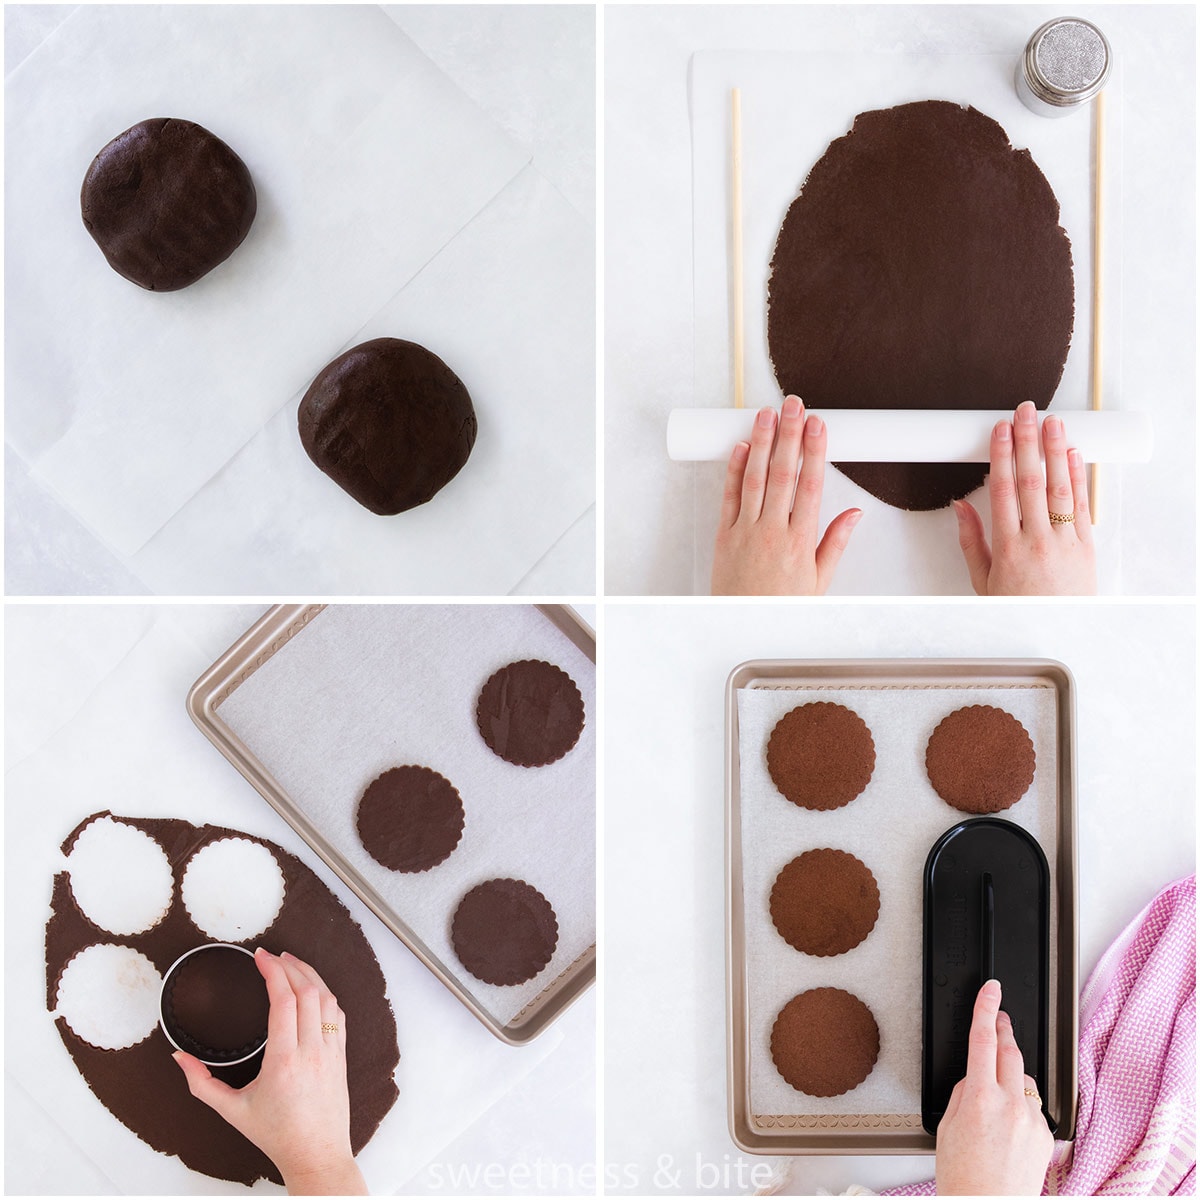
144 1089
921 266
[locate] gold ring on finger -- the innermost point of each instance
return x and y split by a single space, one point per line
328 1027
1033 1095
1062 518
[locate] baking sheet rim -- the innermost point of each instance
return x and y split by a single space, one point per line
260 642
900 1136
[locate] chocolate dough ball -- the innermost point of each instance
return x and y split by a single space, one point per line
389 423
166 201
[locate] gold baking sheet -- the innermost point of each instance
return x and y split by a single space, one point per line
247 656
847 1132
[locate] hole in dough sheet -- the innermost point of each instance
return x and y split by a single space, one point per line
108 995
233 889
120 877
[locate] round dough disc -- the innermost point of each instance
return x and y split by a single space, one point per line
980 759
389 423
821 755
825 902
504 931
166 201
410 819
825 1041
921 266
530 713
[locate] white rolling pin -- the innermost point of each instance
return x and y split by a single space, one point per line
920 436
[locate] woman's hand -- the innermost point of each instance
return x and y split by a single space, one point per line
765 545
297 1111
1031 553
993 1140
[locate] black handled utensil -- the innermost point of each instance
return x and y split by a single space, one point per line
987 916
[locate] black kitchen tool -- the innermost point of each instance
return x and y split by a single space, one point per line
987 916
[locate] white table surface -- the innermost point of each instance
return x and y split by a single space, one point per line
648 528
63 660
531 69
663 893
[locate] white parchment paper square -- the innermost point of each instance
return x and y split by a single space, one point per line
366 160
363 688
891 827
793 105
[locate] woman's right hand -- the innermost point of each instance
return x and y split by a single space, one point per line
993 1139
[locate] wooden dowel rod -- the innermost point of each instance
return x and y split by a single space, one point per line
739 326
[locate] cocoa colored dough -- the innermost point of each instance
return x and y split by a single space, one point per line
410 819
504 931
921 266
166 201
980 759
389 423
821 755
825 1042
144 1089
215 1004
530 713
825 902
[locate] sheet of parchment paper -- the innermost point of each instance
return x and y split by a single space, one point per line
793 106
522 265
366 160
131 747
891 827
363 688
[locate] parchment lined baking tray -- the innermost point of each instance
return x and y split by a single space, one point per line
891 827
312 703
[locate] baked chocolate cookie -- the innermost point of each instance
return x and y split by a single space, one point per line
921 266
410 819
980 759
389 423
821 755
166 201
215 1004
825 902
504 931
530 713
825 1041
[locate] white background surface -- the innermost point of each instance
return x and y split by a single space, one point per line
648 262
96 720
664 679
518 281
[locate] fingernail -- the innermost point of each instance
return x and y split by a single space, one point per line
766 418
742 449
791 407
259 950
285 954
1026 412
991 989
1052 427
958 508
814 426
1003 1018
1003 431
1075 458
854 517
175 1054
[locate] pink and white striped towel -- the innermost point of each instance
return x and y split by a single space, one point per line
1136 1130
